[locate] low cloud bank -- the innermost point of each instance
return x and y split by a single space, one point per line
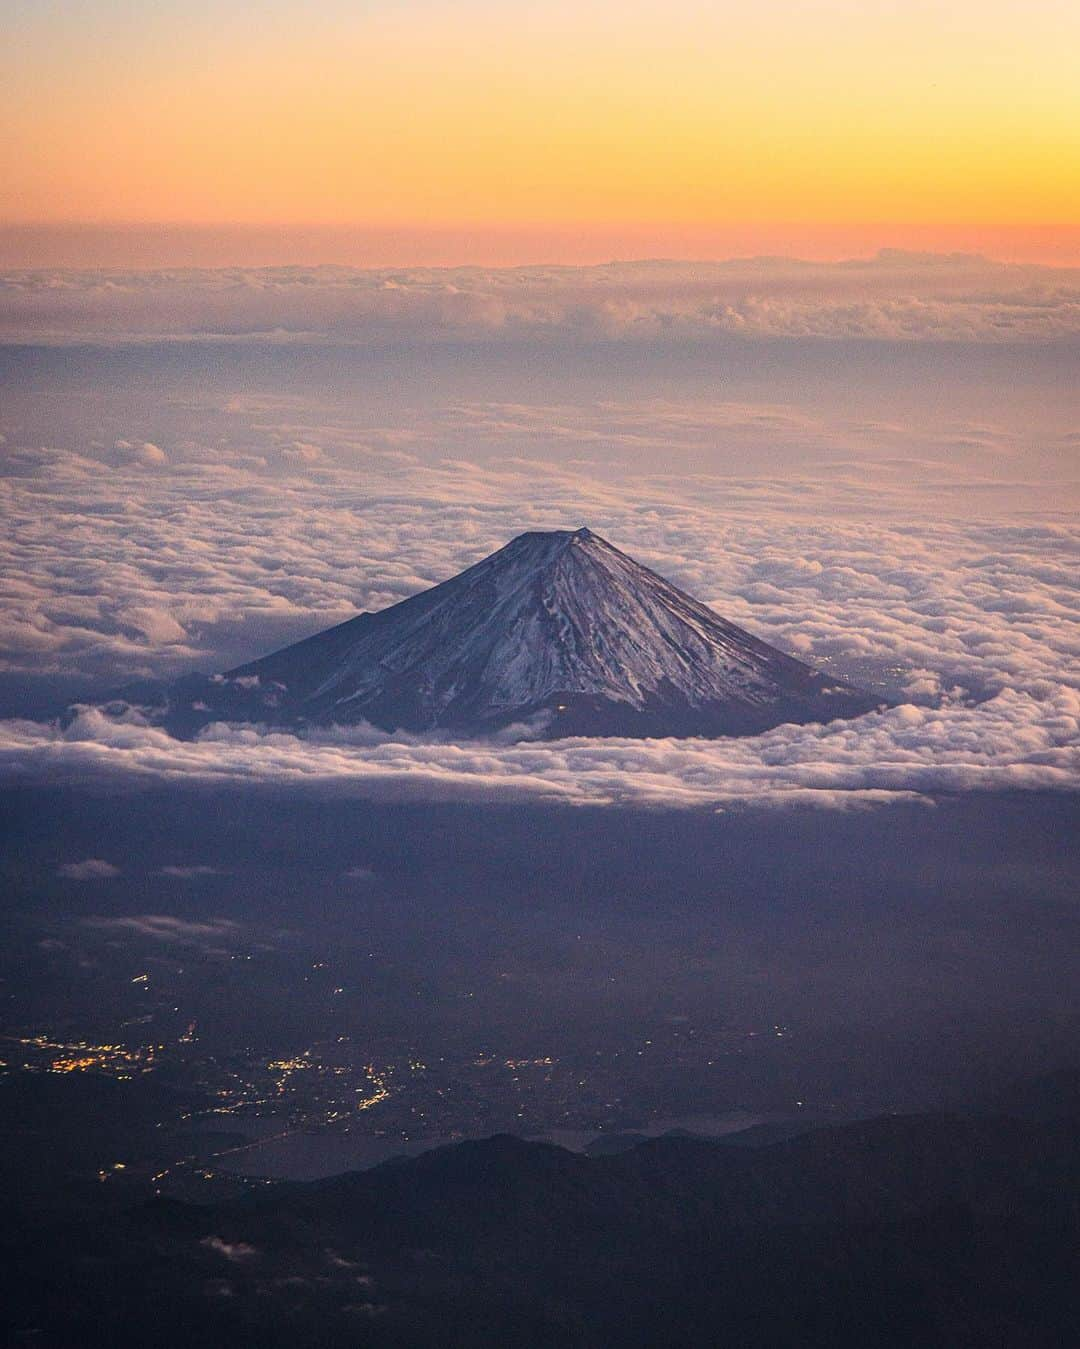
895 296
1012 742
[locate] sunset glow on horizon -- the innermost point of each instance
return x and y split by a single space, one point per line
547 133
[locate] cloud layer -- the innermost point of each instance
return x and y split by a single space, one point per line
1014 741
893 297
898 511
119 572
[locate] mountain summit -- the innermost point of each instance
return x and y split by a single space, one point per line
558 630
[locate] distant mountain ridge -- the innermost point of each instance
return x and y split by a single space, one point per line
559 631
938 1231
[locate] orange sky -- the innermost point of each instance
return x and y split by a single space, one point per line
421 131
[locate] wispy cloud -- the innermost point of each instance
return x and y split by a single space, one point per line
164 927
90 869
189 873
236 1252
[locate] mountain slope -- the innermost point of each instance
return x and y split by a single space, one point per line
557 628
926 1230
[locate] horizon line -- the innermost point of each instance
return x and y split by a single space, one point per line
153 244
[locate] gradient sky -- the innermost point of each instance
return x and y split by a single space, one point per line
833 125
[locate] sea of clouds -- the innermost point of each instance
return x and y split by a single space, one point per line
936 558
1012 742
893 296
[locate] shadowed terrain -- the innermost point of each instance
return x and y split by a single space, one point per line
933 1230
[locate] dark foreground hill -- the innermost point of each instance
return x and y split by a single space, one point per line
904 1231
558 632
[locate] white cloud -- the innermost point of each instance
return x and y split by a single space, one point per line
91 869
364 874
237 1252
1013 742
189 873
146 454
899 297
167 927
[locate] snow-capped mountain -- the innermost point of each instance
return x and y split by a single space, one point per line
558 630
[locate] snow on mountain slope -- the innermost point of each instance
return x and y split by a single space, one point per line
559 629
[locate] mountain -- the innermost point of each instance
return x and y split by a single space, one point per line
558 630
938 1231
